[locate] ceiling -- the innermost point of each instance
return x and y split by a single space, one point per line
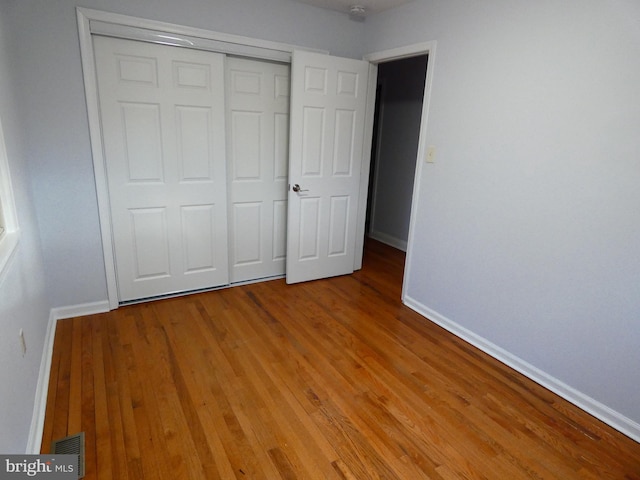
370 6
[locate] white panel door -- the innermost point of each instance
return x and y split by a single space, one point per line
258 155
328 102
163 123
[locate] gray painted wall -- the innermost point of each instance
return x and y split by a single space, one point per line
402 89
528 225
23 299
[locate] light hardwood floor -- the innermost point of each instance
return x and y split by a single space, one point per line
327 379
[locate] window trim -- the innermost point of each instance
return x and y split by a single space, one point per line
10 231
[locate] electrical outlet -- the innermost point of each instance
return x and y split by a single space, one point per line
431 154
23 343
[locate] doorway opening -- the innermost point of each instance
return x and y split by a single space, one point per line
396 133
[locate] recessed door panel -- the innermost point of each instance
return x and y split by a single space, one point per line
247 219
137 70
143 142
193 135
282 87
309 231
281 146
199 237
245 81
338 225
315 80
313 141
279 250
345 129
246 142
150 243
192 75
347 85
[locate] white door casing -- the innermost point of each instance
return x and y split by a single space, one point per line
163 126
328 106
257 166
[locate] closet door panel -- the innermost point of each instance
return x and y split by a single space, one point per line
163 125
258 147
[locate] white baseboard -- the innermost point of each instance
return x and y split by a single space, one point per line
80 310
34 442
593 407
389 240
40 405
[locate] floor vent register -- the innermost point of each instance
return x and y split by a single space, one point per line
71 445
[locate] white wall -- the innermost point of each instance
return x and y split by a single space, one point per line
527 226
52 97
401 95
23 300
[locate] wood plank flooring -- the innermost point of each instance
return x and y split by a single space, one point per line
333 379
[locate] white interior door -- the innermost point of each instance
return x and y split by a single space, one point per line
258 155
163 124
328 103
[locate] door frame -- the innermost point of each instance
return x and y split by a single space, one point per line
92 22
375 58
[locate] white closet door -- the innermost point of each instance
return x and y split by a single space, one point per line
258 155
328 103
163 123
